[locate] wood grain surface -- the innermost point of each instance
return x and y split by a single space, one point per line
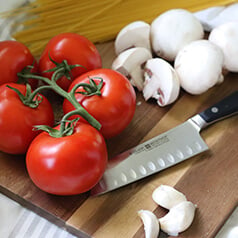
209 180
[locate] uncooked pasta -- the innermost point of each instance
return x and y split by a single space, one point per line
97 20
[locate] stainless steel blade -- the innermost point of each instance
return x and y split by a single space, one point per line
159 153
165 150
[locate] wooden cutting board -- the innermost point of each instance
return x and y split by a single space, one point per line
209 180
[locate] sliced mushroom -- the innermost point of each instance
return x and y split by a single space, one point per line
225 36
167 196
135 34
199 66
161 82
151 223
131 64
172 30
178 219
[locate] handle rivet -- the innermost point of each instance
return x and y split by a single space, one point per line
214 109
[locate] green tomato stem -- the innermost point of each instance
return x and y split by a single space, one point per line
68 95
65 130
90 88
66 126
28 99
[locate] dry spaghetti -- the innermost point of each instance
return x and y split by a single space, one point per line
97 20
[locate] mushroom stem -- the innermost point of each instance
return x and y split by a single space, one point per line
161 82
131 64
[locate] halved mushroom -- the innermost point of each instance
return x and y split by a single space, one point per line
172 30
131 64
161 82
135 34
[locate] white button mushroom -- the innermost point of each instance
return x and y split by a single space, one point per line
151 223
178 219
161 82
172 30
135 34
131 64
199 66
226 37
167 197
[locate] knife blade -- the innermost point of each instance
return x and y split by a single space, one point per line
165 150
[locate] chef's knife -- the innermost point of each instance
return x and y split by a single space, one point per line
165 150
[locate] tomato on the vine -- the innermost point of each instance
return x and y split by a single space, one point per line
70 164
15 57
114 108
17 120
73 48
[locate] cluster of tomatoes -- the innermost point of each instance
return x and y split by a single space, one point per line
68 163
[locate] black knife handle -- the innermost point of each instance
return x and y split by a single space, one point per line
226 107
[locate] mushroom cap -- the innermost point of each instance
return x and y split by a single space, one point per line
199 66
131 64
161 81
226 37
135 34
172 30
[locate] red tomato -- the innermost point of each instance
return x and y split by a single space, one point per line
14 57
67 165
17 120
115 108
74 48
